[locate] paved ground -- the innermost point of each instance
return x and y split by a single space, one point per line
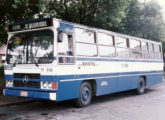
6 101
120 106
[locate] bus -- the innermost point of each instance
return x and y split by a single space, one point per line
56 60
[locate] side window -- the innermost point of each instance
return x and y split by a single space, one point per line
84 49
122 47
83 35
151 50
123 52
145 50
157 51
106 45
121 42
144 46
107 51
85 42
135 46
65 48
105 39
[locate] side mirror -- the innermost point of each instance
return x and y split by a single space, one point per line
60 37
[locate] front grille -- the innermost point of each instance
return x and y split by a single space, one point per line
23 75
28 84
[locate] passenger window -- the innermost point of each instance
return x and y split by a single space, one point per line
84 35
84 49
121 42
151 50
151 47
123 52
145 50
106 51
157 50
144 46
105 39
135 44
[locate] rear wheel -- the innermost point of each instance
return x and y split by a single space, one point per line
85 95
141 86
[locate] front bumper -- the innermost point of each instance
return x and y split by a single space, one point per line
31 94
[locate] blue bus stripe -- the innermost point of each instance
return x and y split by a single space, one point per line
117 60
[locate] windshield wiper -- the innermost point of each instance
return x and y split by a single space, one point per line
32 58
18 57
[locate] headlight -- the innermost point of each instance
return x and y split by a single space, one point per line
48 85
44 85
9 83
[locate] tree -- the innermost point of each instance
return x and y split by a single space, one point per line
124 16
144 21
106 14
15 10
111 13
79 11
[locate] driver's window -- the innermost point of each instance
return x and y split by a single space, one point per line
65 48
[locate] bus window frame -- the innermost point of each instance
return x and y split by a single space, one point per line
95 42
113 45
127 47
132 49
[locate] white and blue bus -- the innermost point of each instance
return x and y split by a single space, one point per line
57 60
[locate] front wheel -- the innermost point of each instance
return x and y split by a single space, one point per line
85 95
141 86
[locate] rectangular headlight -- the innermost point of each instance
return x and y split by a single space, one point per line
9 83
49 85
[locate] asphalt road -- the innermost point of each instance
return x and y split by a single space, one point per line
119 106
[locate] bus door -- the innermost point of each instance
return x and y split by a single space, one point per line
65 44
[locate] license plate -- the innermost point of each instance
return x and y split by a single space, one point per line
24 93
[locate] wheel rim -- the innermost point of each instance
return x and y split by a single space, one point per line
85 94
141 86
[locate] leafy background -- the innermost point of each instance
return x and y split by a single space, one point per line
124 16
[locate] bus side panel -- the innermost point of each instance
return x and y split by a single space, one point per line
116 84
68 90
127 83
106 86
154 79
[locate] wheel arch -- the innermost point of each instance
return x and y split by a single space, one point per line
145 79
93 85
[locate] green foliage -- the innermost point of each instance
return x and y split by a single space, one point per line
111 13
79 11
15 10
124 16
144 21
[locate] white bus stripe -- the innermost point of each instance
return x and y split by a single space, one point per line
67 80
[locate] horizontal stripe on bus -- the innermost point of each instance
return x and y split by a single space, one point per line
63 78
117 60
144 74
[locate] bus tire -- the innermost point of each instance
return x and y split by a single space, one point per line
85 95
141 86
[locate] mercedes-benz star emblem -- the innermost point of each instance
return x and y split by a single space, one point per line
25 80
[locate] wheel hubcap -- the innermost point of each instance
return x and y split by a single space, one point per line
141 85
85 94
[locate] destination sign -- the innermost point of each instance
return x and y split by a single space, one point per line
30 25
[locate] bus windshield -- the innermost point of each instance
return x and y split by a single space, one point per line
35 47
